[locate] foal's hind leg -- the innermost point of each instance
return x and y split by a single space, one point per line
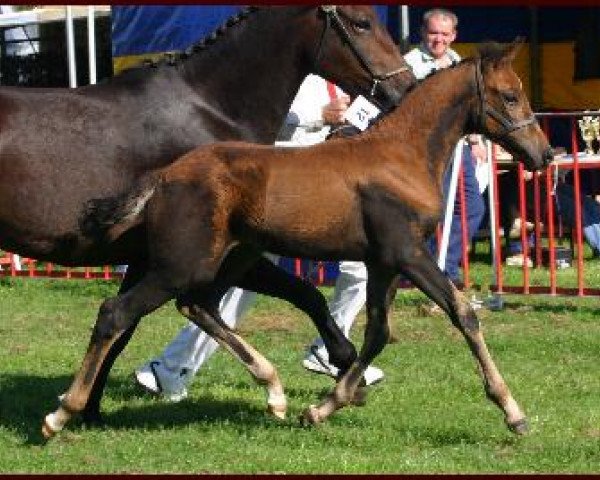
425 274
266 278
260 368
115 316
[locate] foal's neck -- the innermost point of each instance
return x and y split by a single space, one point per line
435 115
253 70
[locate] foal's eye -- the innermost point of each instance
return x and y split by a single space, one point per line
510 98
361 25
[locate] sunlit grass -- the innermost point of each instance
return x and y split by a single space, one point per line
430 414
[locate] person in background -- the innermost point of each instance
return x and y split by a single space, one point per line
564 208
438 32
317 108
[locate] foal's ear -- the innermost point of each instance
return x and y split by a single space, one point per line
495 54
512 49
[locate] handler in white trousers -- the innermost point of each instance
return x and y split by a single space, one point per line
316 108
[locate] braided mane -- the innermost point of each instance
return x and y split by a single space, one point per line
219 32
174 58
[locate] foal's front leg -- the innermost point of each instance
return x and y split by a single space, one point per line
115 316
208 319
426 275
379 294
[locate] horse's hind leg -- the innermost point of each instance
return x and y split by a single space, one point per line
380 291
115 316
266 278
425 274
91 412
193 306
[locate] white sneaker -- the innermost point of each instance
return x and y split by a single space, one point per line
518 260
317 361
156 379
476 304
373 375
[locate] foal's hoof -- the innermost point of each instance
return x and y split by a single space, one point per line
49 427
520 427
310 417
278 411
360 397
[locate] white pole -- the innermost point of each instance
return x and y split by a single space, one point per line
494 302
71 47
456 161
405 31
492 209
91 26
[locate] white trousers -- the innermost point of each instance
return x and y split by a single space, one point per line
349 296
192 346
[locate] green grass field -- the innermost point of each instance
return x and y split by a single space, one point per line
430 414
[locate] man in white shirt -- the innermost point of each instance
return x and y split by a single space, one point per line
438 31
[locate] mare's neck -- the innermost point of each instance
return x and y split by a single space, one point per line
253 71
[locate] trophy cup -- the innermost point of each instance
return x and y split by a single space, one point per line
588 126
596 129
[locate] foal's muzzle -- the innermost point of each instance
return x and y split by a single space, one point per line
547 156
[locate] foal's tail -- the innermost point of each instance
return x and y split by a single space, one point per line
107 218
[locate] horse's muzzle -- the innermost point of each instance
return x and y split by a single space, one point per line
547 156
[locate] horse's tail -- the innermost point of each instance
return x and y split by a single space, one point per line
108 218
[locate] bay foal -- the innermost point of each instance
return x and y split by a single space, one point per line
374 197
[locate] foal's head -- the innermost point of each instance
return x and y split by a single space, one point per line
502 111
352 43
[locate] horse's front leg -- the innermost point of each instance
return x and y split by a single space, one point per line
348 389
425 274
203 312
115 316
91 413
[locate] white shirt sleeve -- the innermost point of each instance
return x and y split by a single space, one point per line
312 96
305 113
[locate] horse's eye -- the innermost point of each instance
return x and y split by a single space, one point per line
361 25
510 98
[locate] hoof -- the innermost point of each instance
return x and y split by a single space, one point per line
278 411
47 432
48 427
360 397
520 427
310 416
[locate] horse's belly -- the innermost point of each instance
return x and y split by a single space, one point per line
72 249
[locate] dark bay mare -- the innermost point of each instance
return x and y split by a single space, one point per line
60 148
375 197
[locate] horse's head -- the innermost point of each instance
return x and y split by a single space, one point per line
354 50
502 111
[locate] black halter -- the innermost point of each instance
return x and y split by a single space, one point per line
332 17
486 109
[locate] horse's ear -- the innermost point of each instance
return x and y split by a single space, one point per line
496 54
513 48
